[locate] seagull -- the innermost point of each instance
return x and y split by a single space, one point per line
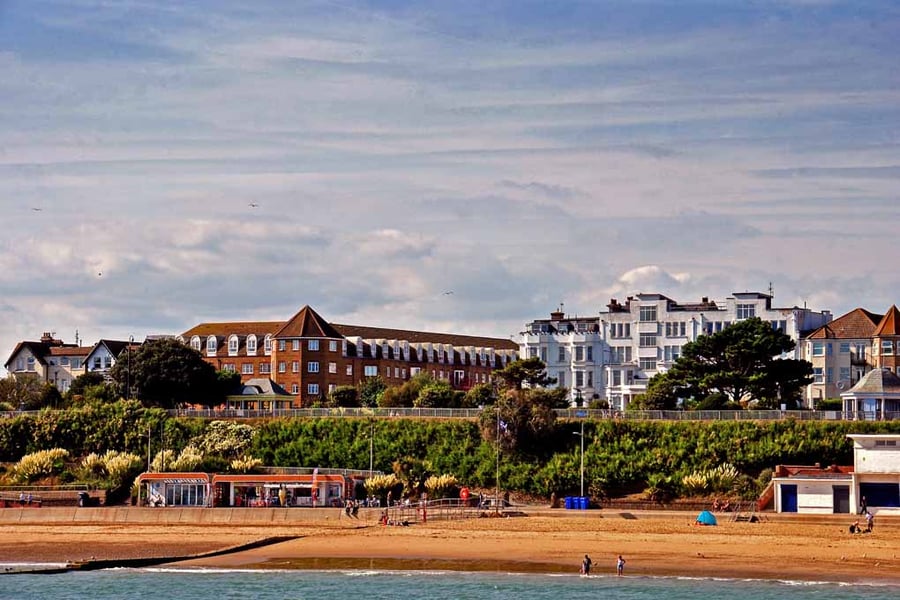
36 209
253 205
448 293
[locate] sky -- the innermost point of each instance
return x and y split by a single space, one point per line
461 167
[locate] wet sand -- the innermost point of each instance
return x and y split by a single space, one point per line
667 545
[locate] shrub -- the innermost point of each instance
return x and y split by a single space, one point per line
226 438
441 486
694 484
380 485
188 460
163 461
245 464
40 464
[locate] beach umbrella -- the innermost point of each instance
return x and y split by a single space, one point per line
706 518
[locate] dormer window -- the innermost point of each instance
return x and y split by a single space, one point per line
251 345
232 345
267 344
195 343
211 345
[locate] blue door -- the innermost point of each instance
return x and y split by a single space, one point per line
788 498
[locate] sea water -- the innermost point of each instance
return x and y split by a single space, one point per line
256 584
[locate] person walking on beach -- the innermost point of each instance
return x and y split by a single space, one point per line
863 507
870 522
586 565
620 565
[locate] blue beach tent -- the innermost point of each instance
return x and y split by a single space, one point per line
706 518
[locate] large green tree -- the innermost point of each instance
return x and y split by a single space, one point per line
530 372
167 373
740 362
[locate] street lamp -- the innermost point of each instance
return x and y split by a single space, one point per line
581 435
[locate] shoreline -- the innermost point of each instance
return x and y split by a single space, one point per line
654 546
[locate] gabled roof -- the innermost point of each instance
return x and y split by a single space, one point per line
307 324
261 387
890 323
876 382
856 324
242 328
115 347
38 349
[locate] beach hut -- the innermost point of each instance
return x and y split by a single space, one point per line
267 489
175 489
706 518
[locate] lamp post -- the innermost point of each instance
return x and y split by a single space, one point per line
128 370
581 435
371 448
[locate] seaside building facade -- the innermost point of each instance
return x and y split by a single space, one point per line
50 360
620 349
309 357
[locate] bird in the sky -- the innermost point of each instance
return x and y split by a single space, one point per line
449 293
36 208
253 205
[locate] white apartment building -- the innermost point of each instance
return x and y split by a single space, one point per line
573 350
614 355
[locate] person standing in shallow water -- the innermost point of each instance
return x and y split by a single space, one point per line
620 565
586 565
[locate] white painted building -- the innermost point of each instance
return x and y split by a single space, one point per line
614 354
876 472
573 350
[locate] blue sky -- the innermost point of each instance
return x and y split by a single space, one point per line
519 154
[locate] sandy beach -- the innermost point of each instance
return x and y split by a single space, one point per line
657 545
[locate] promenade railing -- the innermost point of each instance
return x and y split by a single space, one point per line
563 413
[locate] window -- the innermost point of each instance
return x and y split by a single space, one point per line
312 366
671 353
370 371
647 313
562 354
195 343
232 345
745 311
251 344
349 371
829 375
267 344
887 347
561 379
845 347
579 379
590 353
265 368
332 387
647 364
621 330
312 389
544 355
295 389
312 345
590 379
885 443
818 349
844 374
247 368
617 378
76 363
98 364
228 367
532 352
413 371
676 329
64 361
332 367
861 351
295 366
282 367
282 345
20 364
403 372
332 345
397 372
295 344
579 353
647 340
818 375
211 345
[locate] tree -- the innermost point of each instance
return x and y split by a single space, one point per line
662 394
83 382
437 394
739 362
479 395
167 373
371 390
519 373
344 395
23 392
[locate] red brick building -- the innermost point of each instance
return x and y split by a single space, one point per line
886 345
309 357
